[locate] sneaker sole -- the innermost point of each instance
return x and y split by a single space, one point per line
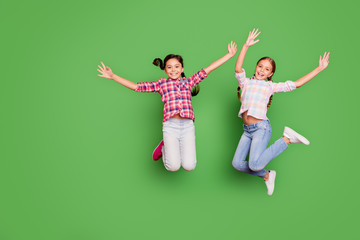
274 173
298 136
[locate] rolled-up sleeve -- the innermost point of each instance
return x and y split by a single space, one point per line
241 77
283 86
197 77
148 87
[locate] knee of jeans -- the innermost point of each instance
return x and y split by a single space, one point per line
238 165
254 167
172 167
189 166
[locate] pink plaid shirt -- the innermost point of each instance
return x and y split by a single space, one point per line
176 94
255 94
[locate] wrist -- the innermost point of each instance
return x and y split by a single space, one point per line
112 77
318 69
229 55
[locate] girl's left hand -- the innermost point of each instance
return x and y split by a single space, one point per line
232 47
324 61
251 38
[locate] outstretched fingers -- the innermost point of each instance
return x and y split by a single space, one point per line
251 38
232 48
103 65
324 60
104 70
100 68
254 33
327 56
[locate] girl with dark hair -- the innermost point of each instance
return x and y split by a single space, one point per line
255 95
157 153
175 90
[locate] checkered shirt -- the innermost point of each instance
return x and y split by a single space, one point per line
255 94
176 94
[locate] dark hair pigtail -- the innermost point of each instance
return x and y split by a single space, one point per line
195 90
159 63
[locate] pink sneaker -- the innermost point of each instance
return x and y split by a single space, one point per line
157 154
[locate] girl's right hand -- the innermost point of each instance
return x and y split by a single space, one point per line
232 48
251 38
105 71
324 61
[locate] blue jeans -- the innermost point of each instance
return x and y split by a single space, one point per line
254 140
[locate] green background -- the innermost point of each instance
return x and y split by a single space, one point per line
75 155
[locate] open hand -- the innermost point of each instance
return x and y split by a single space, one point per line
105 71
232 47
324 61
251 38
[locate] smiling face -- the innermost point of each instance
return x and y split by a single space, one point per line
264 70
173 68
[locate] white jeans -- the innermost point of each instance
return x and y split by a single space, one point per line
179 144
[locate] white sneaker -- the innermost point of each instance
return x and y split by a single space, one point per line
270 183
294 136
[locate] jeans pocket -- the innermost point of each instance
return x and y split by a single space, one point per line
262 125
265 125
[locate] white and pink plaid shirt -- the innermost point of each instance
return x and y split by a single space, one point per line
255 94
176 94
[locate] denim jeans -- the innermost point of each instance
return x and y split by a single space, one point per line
179 144
254 141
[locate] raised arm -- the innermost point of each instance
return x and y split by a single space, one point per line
107 73
249 42
232 48
323 63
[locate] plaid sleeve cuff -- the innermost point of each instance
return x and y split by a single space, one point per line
283 86
197 77
240 76
202 73
140 87
292 85
147 87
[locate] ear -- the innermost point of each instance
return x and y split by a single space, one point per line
271 74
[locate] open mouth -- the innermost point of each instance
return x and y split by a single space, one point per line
260 74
